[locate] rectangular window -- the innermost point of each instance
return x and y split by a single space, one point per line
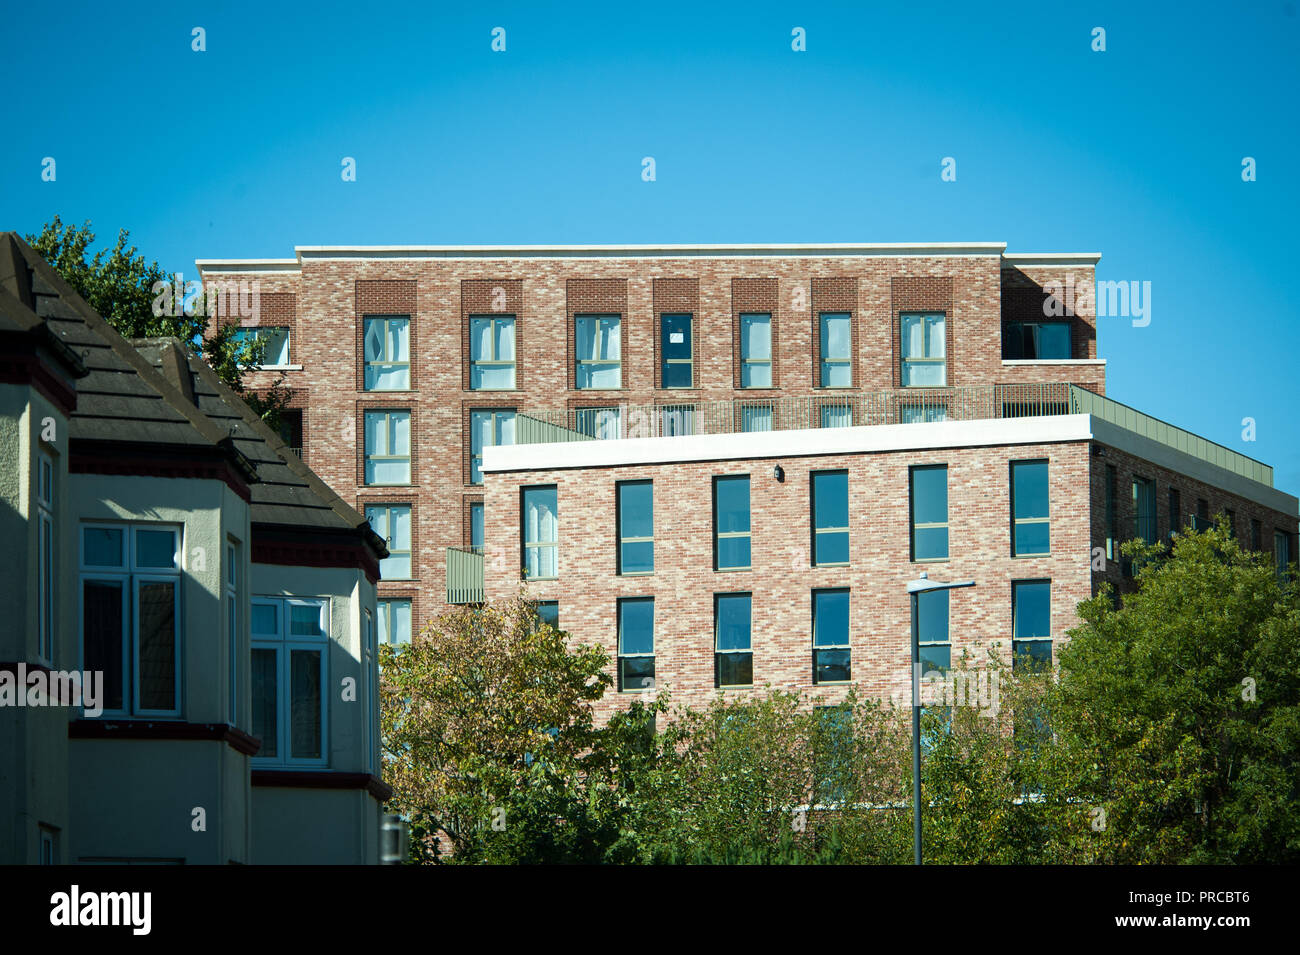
929 510
756 351
676 351
636 528
1144 509
636 643
1202 522
548 611
731 536
603 424
289 656
1112 513
392 522
733 651
1175 512
1031 526
46 561
274 341
934 642
830 512
837 416
476 527
541 533
755 417
1281 553
49 847
388 447
233 630
1231 516
491 352
130 624
1041 341
394 619
831 652
836 350
1031 623
599 351
1256 535
925 363
388 353
488 428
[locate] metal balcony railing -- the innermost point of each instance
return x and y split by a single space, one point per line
464 576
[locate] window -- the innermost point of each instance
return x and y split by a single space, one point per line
836 350
676 351
275 341
834 765
1175 512
830 512
1144 509
1031 527
1231 516
1256 535
392 522
604 424
925 364
541 532
831 653
731 538
636 643
756 351
289 656
130 623
1031 622
600 355
636 528
233 630
476 527
837 416
388 353
1281 553
1202 520
1112 517
45 558
388 447
49 846
733 652
548 611
394 620
488 428
676 420
755 417
491 352
934 643
1042 341
929 508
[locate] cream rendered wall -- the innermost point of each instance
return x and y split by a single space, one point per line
33 740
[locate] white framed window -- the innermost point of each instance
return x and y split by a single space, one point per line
924 355
836 350
540 532
392 522
388 447
233 628
130 615
276 338
488 428
387 352
290 651
599 351
46 559
491 352
394 617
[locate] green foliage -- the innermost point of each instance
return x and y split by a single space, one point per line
136 298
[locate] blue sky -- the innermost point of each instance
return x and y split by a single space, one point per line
1134 153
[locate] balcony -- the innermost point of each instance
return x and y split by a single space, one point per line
895 406
464 576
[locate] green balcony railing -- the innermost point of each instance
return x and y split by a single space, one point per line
464 576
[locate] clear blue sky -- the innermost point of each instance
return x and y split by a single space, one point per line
1134 153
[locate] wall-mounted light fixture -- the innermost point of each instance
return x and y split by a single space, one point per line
778 473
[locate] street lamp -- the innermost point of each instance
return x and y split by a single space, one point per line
916 587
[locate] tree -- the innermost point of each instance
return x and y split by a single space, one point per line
136 298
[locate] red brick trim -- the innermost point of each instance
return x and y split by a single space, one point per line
394 401
676 296
836 294
595 297
305 547
923 294
386 297
28 369
480 297
91 456
482 401
755 295
236 739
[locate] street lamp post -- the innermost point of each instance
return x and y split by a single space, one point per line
915 588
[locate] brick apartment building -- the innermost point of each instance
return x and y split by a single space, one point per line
951 365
